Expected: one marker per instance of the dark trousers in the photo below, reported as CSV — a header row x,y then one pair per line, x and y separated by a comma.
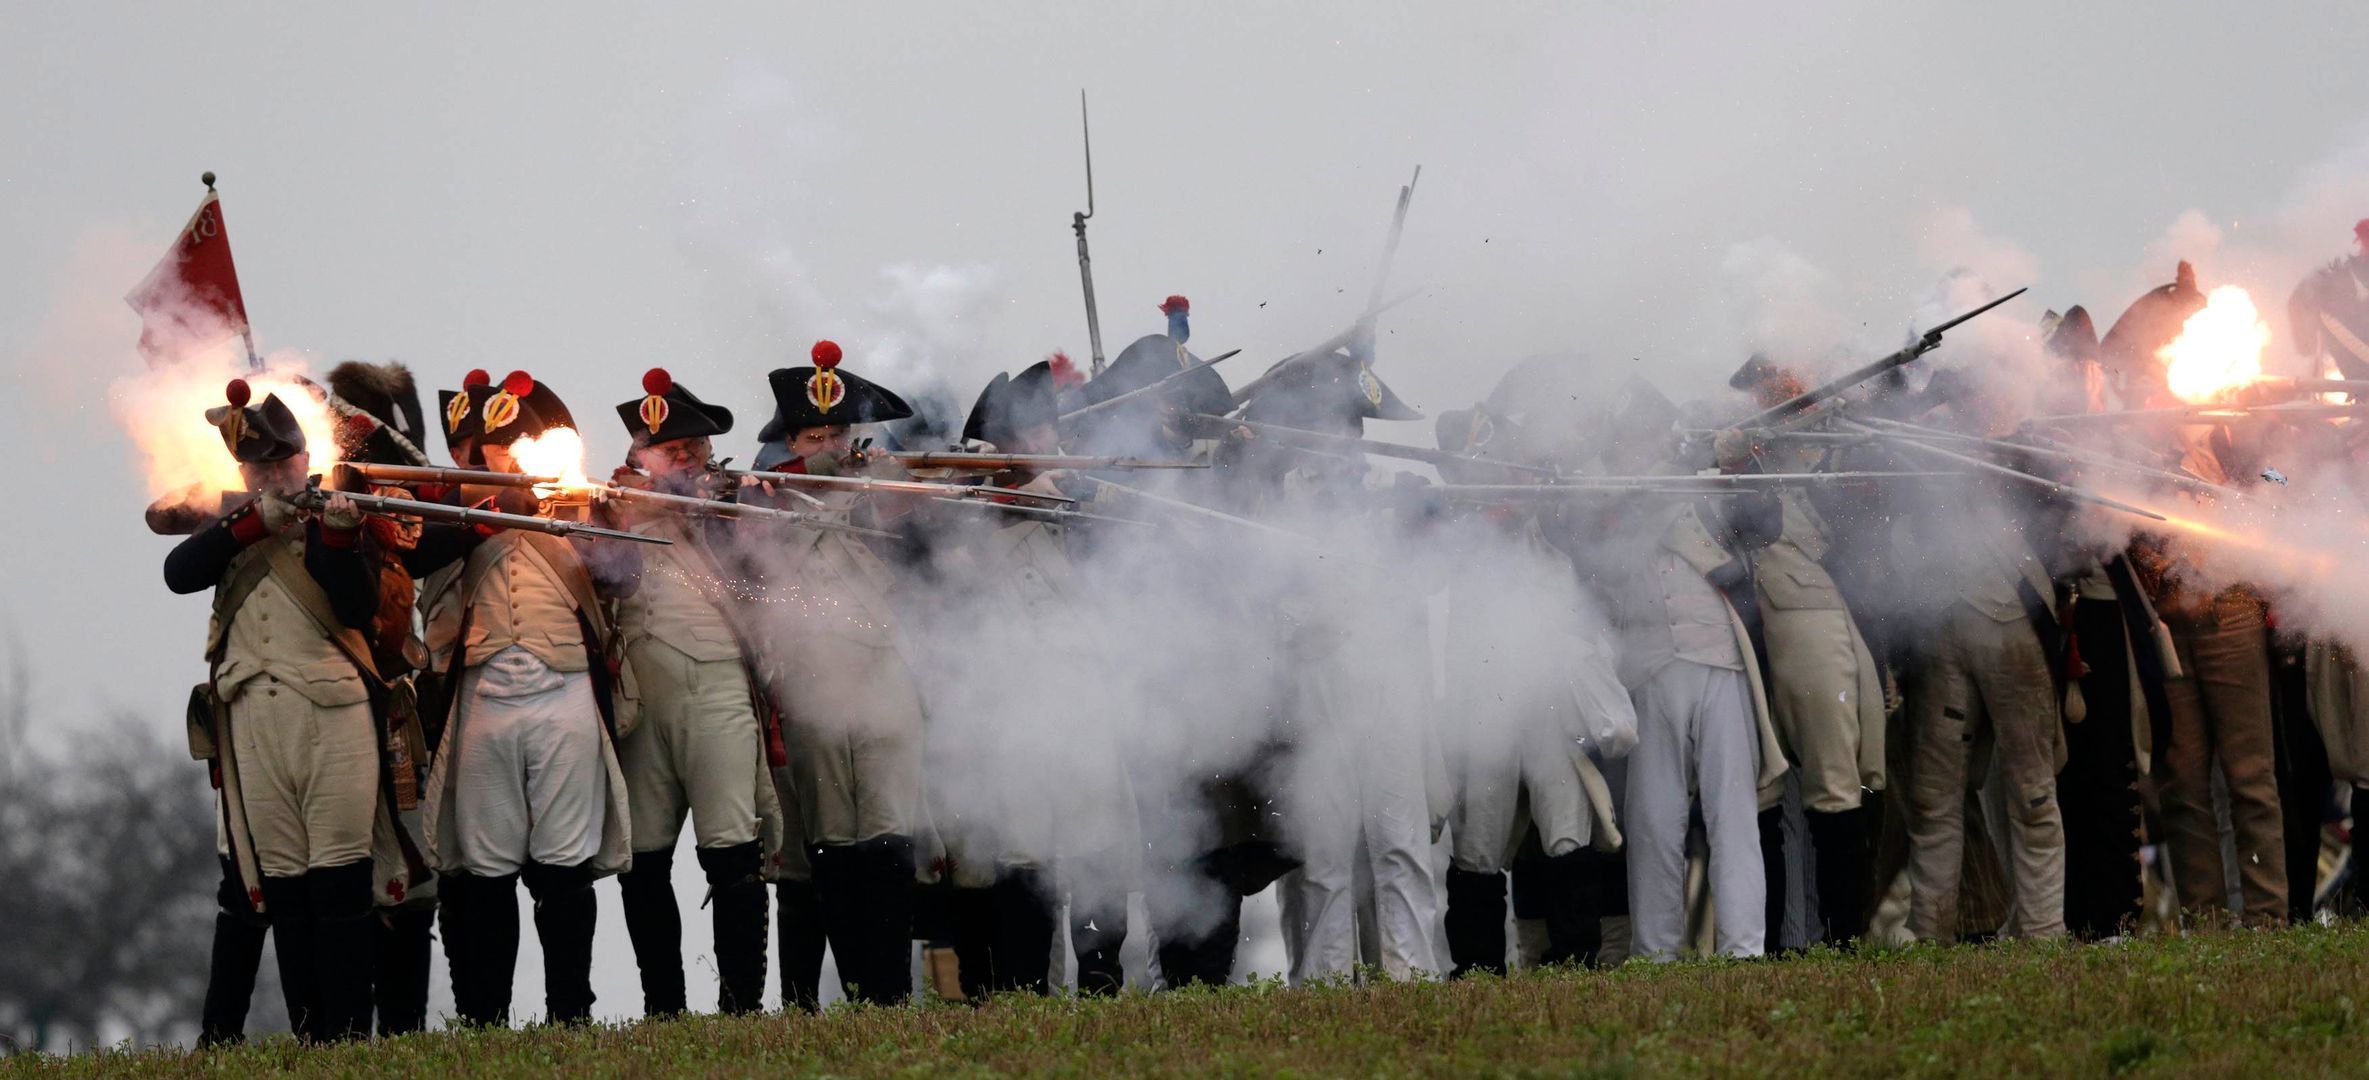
x,y
2099,783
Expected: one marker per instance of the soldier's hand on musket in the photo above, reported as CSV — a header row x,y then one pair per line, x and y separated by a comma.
x,y
1734,448
340,513
278,513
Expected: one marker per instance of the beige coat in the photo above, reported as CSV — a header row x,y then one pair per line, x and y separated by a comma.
x,y
513,583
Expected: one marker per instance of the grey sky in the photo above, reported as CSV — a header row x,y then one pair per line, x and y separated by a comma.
x,y
584,191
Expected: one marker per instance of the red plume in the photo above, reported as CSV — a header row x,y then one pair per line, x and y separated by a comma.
x,y
518,383
1174,304
476,377
826,354
239,393
656,382
1065,373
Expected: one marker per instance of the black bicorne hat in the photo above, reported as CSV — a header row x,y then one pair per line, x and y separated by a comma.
x,y
1331,393
823,395
378,413
668,410
1755,371
482,410
1012,404
256,433
2074,337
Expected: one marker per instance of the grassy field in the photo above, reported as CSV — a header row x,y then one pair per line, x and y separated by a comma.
x,y
2221,1004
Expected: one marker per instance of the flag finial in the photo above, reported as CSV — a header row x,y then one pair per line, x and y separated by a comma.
x,y
208,179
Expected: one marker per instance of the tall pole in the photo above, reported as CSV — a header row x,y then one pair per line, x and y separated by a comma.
x,y
1077,222
246,333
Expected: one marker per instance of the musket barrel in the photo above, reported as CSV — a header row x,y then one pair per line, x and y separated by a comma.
x,y
431,474
1925,343
935,459
2020,476
719,508
903,487
385,506
1349,443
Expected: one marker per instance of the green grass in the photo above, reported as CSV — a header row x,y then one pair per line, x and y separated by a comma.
x,y
2235,1003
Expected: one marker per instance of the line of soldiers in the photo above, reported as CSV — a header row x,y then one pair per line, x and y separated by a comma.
x,y
1664,720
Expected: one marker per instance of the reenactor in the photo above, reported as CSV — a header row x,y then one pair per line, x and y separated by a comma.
x,y
1368,788
1211,809
706,733
2328,314
1704,732
1077,837
1825,691
1981,675
379,421
525,785
853,715
1532,700
286,717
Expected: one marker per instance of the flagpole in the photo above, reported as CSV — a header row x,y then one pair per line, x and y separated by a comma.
x,y
246,332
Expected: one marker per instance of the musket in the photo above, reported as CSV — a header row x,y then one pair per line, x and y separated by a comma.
x,y
2018,475
1042,513
315,499
933,459
1682,483
693,504
1077,222
1290,363
930,488
431,474
2206,414
1151,387
2042,447
1925,343
1343,444
1199,510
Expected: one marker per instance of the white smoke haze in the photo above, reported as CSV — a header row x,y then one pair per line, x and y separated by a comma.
x,y
1580,202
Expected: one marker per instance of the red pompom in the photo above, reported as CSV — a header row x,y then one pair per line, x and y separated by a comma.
x,y
826,354
2361,230
1175,304
656,382
476,377
239,393
518,383
1065,372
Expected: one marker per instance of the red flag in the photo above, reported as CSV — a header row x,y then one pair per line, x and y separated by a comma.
x,y
191,301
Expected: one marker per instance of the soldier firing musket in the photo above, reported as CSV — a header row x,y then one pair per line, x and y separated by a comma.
x,y
1790,411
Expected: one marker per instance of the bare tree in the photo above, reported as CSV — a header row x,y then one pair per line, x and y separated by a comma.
x,y
107,852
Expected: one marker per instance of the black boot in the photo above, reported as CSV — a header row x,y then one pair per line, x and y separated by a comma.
x,y
402,991
655,927
239,931
970,918
838,882
1772,864
1475,922
799,912
1575,915
1193,949
1096,931
1840,840
886,925
480,944
736,893
1023,949
345,947
289,903
565,914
